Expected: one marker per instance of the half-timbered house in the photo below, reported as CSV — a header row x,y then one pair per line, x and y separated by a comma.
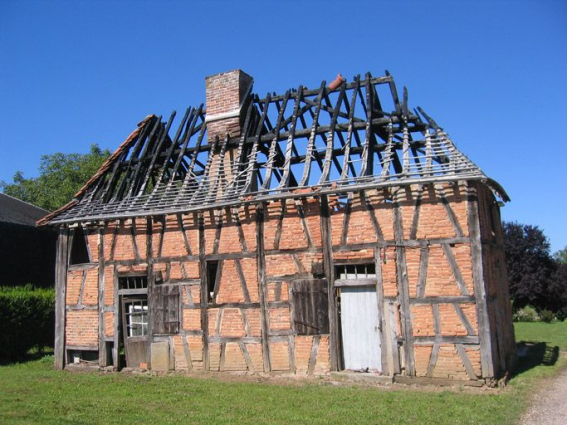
x,y
317,230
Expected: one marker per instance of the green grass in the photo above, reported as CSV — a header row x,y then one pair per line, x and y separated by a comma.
x,y
33,392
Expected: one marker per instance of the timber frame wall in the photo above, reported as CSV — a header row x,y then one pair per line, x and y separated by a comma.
x,y
442,310
441,284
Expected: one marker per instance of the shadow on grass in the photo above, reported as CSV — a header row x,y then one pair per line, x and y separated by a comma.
x,y
533,354
30,356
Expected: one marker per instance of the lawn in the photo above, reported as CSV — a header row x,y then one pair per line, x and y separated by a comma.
x,y
33,392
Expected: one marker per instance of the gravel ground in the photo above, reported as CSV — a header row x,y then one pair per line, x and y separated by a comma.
x,y
549,406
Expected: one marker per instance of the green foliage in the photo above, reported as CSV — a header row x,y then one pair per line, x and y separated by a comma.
x,y
536,279
526,314
547,316
60,177
561,256
27,320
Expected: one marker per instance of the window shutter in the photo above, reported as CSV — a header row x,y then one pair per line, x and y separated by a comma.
x,y
311,306
165,309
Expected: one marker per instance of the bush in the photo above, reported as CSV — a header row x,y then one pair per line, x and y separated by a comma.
x,y
547,316
27,320
526,314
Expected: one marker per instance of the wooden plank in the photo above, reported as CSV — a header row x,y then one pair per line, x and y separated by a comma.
x,y
241,237
381,311
346,158
433,360
187,352
370,209
455,268
436,319
274,143
416,211
313,356
134,243
404,298
394,338
244,339
312,135
406,380
346,220
486,355
102,352
203,274
425,340
183,232
450,213
443,300
82,289
422,279
354,282
218,217
466,361
304,225
331,136
247,327
260,211
222,356
464,320
329,270
289,145
247,358
291,352
242,281
60,292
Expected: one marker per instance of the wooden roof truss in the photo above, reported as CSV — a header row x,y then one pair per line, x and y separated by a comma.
x,y
360,135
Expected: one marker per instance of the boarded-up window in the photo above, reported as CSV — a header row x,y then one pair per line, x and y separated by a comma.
x,y
165,309
311,306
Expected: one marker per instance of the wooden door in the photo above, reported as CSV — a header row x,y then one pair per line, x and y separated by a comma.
x,y
135,317
360,329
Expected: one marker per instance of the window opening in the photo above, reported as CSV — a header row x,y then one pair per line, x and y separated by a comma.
x,y
136,318
212,272
79,250
356,271
133,282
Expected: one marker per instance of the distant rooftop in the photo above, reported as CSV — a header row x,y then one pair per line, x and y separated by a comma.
x,y
14,211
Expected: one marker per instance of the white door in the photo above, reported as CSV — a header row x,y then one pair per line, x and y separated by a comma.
x,y
360,328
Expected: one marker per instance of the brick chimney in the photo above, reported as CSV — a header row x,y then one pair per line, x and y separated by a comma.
x,y
225,95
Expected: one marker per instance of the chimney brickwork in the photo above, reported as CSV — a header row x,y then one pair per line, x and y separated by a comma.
x,y
225,93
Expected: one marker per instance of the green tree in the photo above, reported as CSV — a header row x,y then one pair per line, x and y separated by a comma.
x,y
561,256
60,177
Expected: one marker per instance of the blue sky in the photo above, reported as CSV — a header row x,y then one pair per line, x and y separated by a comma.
x,y
492,73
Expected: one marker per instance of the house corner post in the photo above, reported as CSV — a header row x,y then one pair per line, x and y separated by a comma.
x,y
60,292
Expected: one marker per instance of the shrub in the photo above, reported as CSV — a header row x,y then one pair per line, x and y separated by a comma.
x,y
27,320
547,316
526,314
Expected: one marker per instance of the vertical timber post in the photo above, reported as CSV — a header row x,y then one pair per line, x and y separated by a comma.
x,y
204,291
329,271
260,211
484,333
60,291
403,284
102,360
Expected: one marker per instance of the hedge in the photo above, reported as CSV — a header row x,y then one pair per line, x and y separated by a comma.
x,y
27,320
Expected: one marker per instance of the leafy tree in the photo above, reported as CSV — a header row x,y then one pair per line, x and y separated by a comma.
x,y
60,177
531,269
561,256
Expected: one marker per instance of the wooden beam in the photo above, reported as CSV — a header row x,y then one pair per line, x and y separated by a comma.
x,y
404,297
102,352
263,297
484,331
204,292
60,296
329,271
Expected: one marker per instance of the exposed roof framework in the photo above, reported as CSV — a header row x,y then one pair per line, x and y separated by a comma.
x,y
360,135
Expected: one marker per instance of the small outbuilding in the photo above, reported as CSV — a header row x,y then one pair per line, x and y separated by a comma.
x,y
27,253
318,230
